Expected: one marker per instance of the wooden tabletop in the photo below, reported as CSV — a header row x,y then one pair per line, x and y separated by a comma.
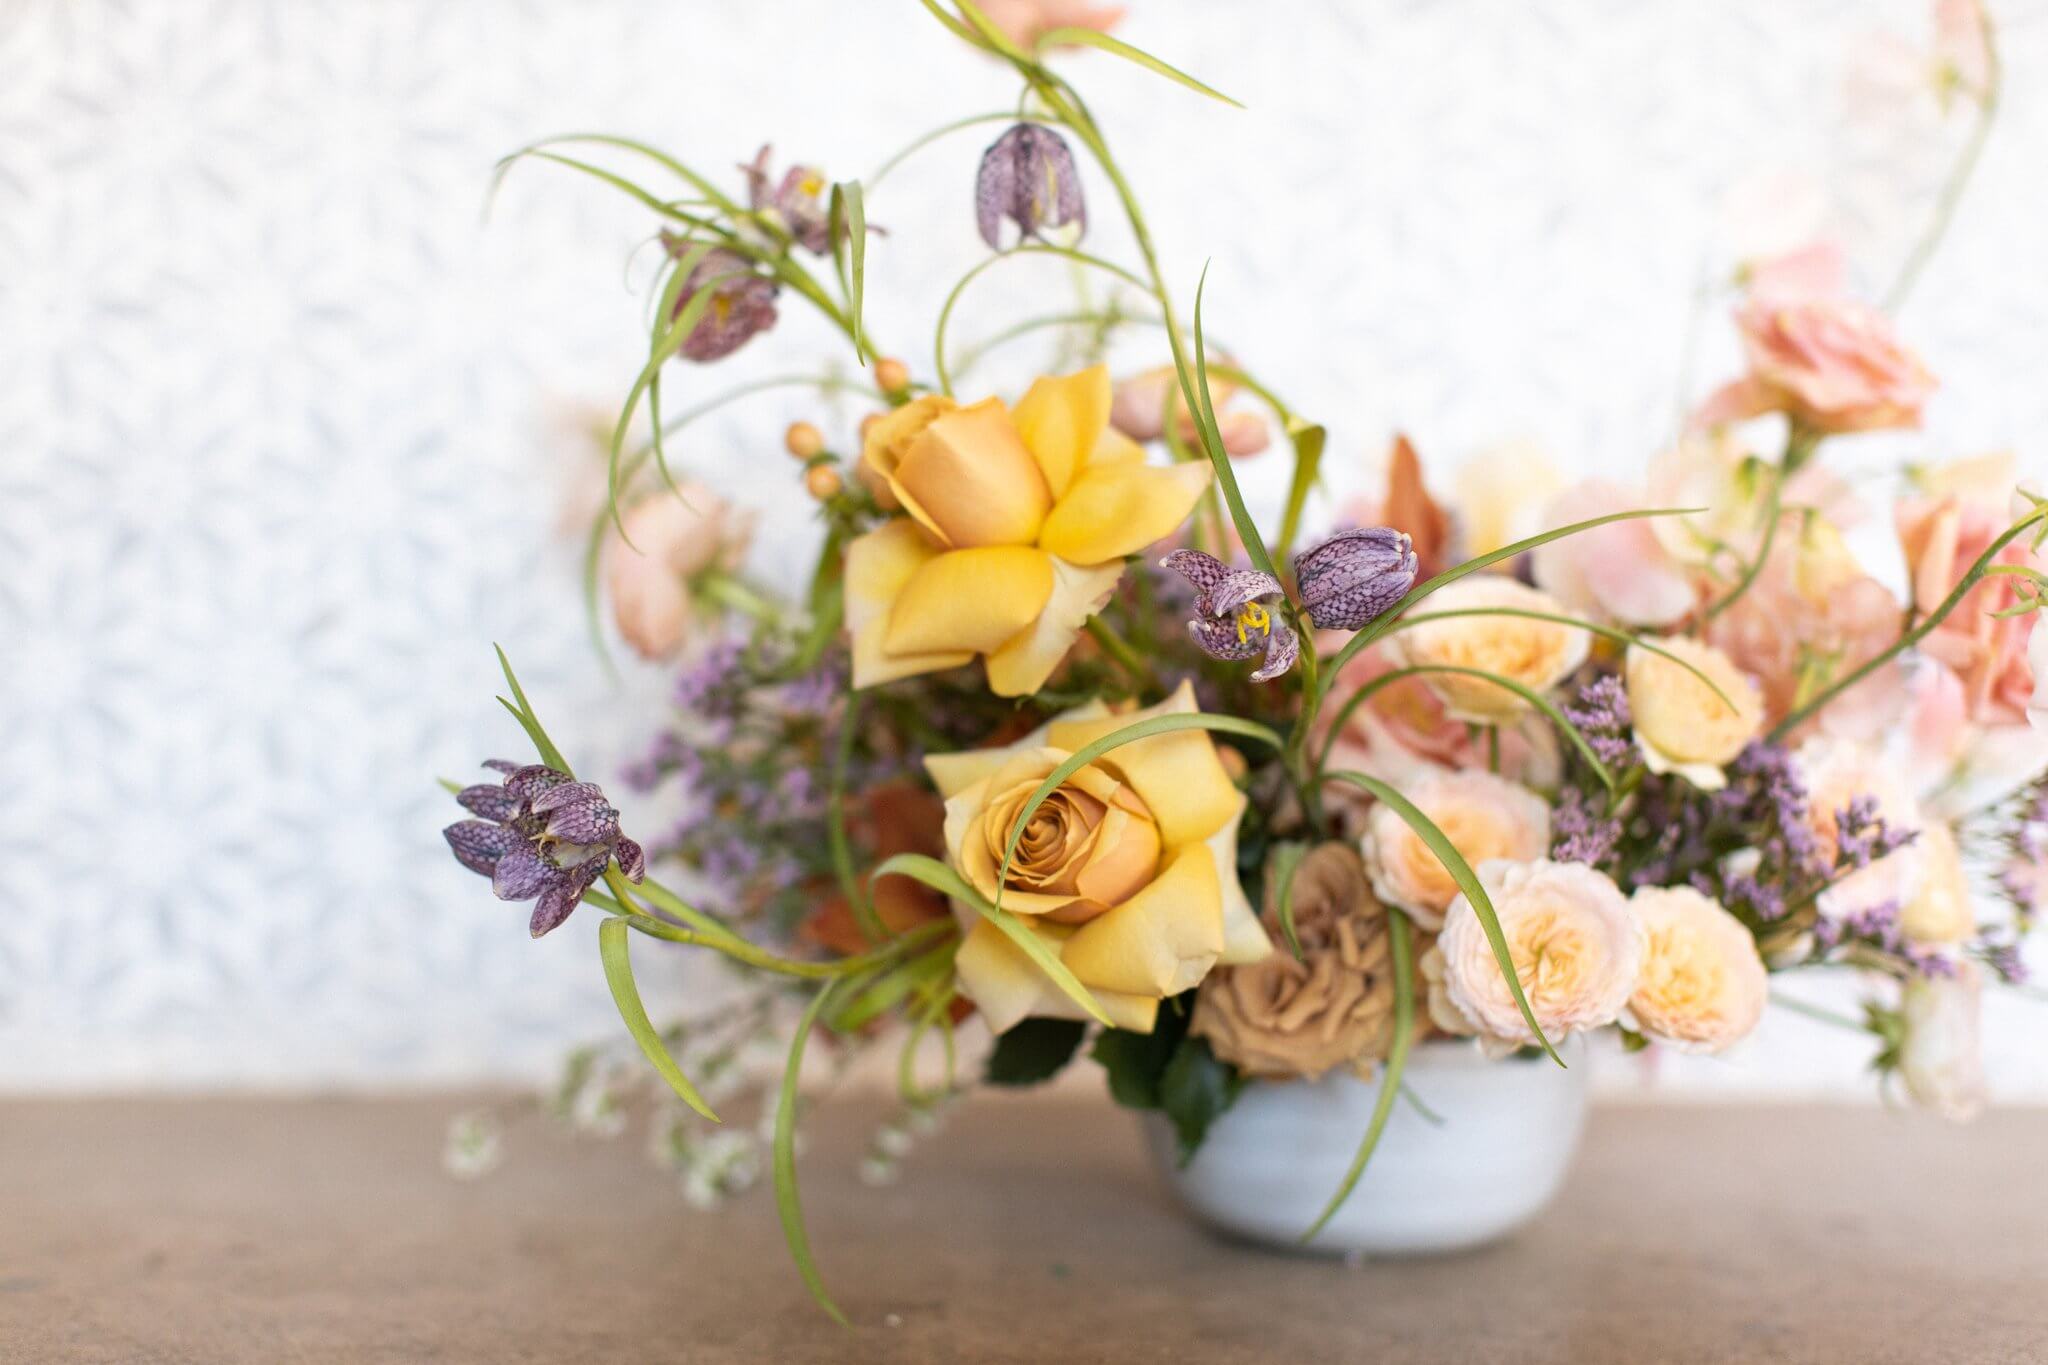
x,y
324,1230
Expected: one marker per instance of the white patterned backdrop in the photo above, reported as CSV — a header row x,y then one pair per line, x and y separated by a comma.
x,y
289,433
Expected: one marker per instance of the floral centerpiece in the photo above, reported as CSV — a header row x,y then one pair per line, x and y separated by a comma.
x,y
1062,738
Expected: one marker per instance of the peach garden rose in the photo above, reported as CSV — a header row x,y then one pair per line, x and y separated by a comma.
x,y
1128,871
1485,817
1831,364
1537,654
1702,987
1681,725
1576,946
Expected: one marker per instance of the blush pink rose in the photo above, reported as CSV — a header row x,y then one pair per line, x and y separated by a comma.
x,y
673,539
1141,403
1942,537
1024,22
1618,572
1830,363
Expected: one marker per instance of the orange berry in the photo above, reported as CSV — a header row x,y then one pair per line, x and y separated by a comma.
x,y
803,440
823,481
892,375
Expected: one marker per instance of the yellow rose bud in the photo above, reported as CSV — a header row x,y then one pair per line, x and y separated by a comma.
x,y
1681,725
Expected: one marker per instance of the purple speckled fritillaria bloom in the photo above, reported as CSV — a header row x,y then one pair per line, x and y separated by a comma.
x,y
540,833
798,201
742,302
1233,617
1028,176
1345,582
1353,577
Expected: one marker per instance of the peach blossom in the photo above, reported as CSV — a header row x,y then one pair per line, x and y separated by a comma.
x,y
1141,403
1618,572
1024,22
1942,537
672,539
1829,363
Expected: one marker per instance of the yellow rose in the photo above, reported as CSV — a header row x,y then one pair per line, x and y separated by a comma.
x,y
1484,816
1681,726
1016,524
1128,871
1537,654
1574,942
1702,987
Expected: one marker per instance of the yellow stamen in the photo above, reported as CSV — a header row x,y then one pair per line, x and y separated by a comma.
x,y
1251,616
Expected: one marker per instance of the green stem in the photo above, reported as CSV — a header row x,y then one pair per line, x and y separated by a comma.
x,y
748,954
1959,178
1118,648
1918,633
871,926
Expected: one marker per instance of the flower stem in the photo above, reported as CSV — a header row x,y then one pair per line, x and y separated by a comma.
x,y
1800,443
1118,648
1959,178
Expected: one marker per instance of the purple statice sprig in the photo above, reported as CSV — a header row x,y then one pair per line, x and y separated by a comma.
x,y
1600,714
541,835
1344,583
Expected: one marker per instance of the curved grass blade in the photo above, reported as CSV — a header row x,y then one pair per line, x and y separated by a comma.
x,y
1308,440
618,974
697,182
939,877
1461,873
1544,705
1286,862
936,1005
787,1205
1088,37
528,721
958,29
1591,628
1390,1079
1137,730
1472,566
668,341
1028,249
857,247
841,847
1201,407
893,986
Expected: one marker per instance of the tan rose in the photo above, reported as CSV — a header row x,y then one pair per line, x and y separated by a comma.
x,y
1702,987
1537,654
1681,725
1334,1007
1484,817
1127,871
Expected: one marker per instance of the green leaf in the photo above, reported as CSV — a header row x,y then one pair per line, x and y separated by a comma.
x,y
892,986
1308,440
1135,1063
1202,408
939,877
840,846
1033,1051
1390,1079
787,1205
618,974
1461,873
1537,701
1089,37
1137,730
701,184
528,721
1195,1090
1286,861
1471,566
857,242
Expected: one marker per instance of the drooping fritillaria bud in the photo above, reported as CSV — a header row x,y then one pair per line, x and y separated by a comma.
x,y
1028,176
1354,576
541,833
742,302
798,201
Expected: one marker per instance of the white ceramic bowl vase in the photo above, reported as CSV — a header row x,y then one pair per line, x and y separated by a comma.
x,y
1507,1135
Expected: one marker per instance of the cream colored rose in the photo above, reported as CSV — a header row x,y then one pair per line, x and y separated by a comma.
x,y
1575,944
1127,871
1485,817
1537,654
1681,725
1702,985
1836,772
1939,912
1942,1058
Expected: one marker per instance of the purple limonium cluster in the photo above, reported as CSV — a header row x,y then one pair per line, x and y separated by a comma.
x,y
1028,176
742,301
1580,830
1879,926
540,833
1344,583
797,201
1601,714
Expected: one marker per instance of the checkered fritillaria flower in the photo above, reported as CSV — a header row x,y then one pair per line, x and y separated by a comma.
x,y
1028,176
1345,583
798,201
540,833
742,302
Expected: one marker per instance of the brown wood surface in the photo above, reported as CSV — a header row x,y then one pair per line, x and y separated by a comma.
x,y
234,1230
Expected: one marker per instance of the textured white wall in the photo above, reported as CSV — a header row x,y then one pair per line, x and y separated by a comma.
x,y
285,426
